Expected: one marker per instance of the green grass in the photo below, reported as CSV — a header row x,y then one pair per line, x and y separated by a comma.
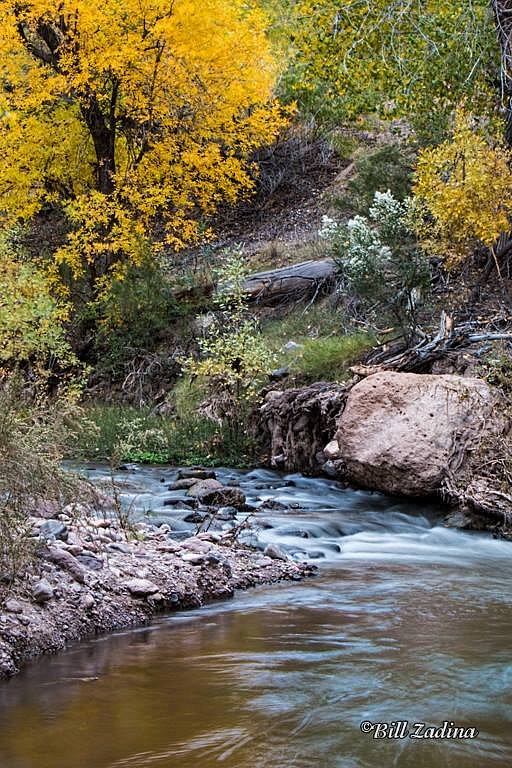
x,y
329,359
328,345
122,433
301,324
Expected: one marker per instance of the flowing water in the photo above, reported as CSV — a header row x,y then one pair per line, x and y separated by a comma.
x,y
405,621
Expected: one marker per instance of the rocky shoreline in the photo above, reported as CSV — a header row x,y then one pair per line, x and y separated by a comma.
x,y
416,435
90,575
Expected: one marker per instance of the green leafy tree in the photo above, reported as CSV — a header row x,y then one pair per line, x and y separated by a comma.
x,y
394,58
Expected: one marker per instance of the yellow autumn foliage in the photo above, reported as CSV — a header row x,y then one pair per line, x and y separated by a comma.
x,y
463,192
136,116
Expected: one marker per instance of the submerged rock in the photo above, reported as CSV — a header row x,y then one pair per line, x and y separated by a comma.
x,y
275,552
211,492
182,485
195,473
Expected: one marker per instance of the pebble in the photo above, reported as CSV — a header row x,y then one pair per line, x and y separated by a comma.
x,y
13,606
119,546
67,562
194,544
168,547
88,601
141,587
209,536
42,592
91,562
54,529
193,558
263,562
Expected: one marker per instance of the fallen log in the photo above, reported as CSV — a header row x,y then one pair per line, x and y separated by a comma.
x,y
306,280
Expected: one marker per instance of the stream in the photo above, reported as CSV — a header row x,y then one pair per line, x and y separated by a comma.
x,y
406,620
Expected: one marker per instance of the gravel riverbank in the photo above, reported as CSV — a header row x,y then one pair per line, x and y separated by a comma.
x,y
91,577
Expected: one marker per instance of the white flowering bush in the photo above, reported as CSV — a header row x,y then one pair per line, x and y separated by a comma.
x,y
377,256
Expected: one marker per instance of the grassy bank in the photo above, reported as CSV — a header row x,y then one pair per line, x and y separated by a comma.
x,y
122,433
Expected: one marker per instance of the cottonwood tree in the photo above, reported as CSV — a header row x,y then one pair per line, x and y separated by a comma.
x,y
136,117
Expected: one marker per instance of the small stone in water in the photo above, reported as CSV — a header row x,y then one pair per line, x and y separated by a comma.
x,y
196,474
195,517
275,552
182,485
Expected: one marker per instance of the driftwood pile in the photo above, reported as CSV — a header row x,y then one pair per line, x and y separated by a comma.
x,y
420,357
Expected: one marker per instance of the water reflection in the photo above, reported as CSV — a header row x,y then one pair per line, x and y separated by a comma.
x,y
407,620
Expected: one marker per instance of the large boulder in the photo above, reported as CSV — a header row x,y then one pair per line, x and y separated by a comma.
x,y
404,433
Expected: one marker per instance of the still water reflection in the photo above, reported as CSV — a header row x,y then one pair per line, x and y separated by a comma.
x,y
406,621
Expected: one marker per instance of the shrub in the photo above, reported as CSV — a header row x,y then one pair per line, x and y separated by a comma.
x,y
131,315
234,356
386,168
32,320
34,435
379,259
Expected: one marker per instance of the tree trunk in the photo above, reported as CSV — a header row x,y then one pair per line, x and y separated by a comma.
x,y
104,139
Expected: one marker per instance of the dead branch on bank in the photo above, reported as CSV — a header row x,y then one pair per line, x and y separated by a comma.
x,y
420,358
